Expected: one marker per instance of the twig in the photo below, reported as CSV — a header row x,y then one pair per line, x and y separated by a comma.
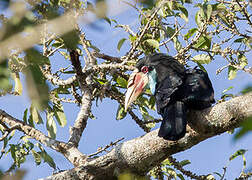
x,y
184,50
106,147
142,33
126,29
139,121
6,133
221,69
224,172
245,13
106,57
81,120
175,34
55,79
189,174
244,176
54,50
152,121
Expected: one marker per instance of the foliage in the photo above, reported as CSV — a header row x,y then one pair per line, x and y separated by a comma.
x,y
164,26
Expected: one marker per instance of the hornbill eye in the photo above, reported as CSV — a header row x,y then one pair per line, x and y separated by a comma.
x,y
145,69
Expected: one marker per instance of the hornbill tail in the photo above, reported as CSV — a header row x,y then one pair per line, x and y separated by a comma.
x,y
173,126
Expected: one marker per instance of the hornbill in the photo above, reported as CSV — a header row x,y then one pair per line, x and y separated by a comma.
x,y
176,90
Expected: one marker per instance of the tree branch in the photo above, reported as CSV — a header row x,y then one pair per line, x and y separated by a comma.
x,y
143,153
71,153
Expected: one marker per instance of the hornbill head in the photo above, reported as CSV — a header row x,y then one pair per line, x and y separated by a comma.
x,y
151,70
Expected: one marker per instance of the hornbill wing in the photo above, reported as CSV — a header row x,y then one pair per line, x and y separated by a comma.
x,y
197,91
173,111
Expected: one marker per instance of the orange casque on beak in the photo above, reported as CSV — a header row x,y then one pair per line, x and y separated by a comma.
x,y
136,84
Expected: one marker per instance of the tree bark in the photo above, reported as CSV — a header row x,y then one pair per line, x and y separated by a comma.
x,y
143,153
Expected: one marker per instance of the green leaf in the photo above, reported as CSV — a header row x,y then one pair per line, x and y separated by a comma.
x,y
181,176
204,42
246,126
177,43
201,67
120,112
36,156
30,121
231,72
59,114
18,85
5,84
35,115
120,43
190,33
37,87
240,152
239,40
71,39
224,91
51,125
184,162
184,14
33,56
202,59
48,159
61,90
246,90
209,11
199,18
152,102
152,42
132,38
25,116
166,162
243,61
107,20
121,82
170,31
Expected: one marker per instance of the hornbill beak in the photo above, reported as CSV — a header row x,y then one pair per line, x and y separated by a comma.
x,y
136,84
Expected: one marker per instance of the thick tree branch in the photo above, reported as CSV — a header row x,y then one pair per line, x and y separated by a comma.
x,y
143,153
86,101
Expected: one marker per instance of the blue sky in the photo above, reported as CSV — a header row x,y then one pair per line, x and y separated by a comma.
x,y
206,157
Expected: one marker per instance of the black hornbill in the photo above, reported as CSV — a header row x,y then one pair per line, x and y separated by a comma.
x,y
175,88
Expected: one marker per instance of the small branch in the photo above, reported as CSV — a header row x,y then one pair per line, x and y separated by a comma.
x,y
54,50
6,133
245,176
184,50
189,174
171,38
224,173
244,12
139,39
152,121
107,57
139,121
55,79
247,70
81,120
71,153
106,147
221,69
